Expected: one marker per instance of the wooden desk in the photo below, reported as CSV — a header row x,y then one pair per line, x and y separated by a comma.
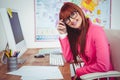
x,y
29,55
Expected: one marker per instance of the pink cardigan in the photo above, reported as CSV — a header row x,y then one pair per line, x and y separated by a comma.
x,y
97,49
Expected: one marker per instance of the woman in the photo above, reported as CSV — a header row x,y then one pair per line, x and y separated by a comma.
x,y
79,37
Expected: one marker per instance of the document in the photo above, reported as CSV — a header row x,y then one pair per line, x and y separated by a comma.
x,y
38,72
73,68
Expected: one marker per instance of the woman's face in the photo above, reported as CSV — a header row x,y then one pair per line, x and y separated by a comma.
x,y
74,20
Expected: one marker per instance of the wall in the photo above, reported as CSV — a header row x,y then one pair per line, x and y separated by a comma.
x,y
115,14
26,8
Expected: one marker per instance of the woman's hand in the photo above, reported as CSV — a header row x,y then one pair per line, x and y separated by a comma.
x,y
61,27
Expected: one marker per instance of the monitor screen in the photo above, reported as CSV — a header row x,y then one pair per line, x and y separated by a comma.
x,y
16,27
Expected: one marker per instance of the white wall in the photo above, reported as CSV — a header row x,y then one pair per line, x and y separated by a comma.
x,y
115,15
26,8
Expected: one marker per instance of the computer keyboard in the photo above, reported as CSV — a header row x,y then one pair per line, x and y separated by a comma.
x,y
56,59
50,50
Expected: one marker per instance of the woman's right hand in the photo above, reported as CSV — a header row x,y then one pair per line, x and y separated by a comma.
x,y
61,27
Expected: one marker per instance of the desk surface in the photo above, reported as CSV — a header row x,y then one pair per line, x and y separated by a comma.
x,y
29,55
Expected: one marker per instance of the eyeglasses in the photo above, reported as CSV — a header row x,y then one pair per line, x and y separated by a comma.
x,y
73,15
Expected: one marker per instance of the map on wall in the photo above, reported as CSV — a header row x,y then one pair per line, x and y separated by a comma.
x,y
47,12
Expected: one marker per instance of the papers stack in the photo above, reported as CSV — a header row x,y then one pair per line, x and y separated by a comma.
x,y
38,72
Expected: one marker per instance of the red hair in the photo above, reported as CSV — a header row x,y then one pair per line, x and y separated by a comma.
x,y
77,37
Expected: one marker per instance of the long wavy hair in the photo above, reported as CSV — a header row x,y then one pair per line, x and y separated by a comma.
x,y
77,37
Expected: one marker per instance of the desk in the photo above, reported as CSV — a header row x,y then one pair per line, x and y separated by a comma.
x,y
29,55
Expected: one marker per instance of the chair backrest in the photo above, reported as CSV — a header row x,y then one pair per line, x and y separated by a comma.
x,y
114,40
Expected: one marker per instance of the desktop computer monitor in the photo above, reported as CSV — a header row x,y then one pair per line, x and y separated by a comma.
x,y
13,30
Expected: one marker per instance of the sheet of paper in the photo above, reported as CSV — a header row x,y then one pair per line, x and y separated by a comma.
x,y
72,70
29,78
38,72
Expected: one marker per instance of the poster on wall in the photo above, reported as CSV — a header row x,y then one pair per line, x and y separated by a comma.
x,y
47,13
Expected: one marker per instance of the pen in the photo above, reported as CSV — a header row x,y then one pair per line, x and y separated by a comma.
x,y
7,54
10,53
14,54
17,53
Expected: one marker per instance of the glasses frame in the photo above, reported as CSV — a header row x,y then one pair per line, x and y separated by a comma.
x,y
73,15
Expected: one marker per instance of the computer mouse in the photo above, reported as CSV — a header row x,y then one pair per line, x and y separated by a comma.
x,y
39,56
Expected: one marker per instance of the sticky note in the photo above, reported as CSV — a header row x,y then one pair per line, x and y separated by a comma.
x,y
9,12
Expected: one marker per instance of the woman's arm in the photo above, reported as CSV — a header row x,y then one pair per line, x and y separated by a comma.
x,y
66,49
61,27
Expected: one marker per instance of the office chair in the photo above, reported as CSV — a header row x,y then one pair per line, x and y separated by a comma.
x,y
114,40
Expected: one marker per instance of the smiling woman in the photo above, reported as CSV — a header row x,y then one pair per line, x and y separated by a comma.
x,y
80,40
